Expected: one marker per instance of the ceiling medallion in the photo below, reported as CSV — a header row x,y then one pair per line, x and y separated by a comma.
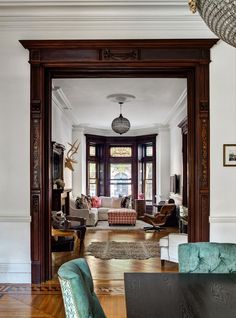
x,y
120,124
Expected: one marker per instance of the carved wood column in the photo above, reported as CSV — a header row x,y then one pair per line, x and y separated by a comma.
x,y
202,154
37,231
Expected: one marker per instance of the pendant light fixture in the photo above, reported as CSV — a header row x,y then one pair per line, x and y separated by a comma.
x,y
120,124
220,17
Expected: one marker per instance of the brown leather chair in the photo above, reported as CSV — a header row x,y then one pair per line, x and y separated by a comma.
x,y
159,219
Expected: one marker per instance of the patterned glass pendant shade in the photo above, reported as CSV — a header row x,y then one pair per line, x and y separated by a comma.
x,y
120,124
220,17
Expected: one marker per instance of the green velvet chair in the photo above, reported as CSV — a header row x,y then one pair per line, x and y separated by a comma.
x,y
79,298
207,258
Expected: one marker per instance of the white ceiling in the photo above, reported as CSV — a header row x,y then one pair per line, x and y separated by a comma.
x,y
156,100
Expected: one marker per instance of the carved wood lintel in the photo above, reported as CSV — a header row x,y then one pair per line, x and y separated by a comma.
x,y
120,55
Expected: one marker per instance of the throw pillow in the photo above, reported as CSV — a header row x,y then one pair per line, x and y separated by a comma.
x,y
79,204
87,201
116,203
96,202
107,202
83,202
126,201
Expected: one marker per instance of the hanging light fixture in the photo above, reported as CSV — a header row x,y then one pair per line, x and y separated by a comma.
x,y
220,17
120,124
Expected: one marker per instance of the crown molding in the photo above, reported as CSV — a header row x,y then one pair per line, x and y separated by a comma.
x,y
178,107
90,2
153,18
86,129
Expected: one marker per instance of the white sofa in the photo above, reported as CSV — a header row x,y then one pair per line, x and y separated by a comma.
x,y
91,215
94,215
169,246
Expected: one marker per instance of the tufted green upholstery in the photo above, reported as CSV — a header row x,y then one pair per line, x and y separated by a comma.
x,y
207,258
78,293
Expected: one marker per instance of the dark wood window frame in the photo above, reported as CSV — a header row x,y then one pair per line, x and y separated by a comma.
x,y
183,125
188,58
104,144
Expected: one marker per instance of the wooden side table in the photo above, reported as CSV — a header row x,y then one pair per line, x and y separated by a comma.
x,y
140,207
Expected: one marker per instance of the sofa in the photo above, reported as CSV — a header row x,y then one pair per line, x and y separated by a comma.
x,y
100,213
91,215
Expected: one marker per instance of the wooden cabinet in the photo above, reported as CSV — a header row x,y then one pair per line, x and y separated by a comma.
x,y
140,207
61,200
57,161
60,196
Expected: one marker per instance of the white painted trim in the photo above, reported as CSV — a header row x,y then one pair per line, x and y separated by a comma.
x,y
153,18
222,219
90,2
15,219
60,99
15,272
138,131
179,106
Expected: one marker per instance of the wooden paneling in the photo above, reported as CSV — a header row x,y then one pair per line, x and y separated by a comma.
x,y
119,58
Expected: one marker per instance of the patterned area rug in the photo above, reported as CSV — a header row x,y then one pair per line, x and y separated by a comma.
x,y
124,250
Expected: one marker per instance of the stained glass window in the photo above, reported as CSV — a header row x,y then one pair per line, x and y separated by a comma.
x,y
92,151
149,151
121,151
92,178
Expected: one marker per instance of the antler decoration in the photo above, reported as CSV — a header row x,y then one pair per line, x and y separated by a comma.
x,y
192,5
69,156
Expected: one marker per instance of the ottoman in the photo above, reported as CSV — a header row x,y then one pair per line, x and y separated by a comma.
x,y
122,216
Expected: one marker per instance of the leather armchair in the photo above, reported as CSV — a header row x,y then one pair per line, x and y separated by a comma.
x,y
207,258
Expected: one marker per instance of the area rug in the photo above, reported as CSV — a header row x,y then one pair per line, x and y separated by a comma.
x,y
103,225
124,250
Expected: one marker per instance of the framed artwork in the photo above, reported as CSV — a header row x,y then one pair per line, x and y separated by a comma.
x,y
229,155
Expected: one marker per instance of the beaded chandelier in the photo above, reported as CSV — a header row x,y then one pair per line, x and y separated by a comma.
x,y
120,124
220,17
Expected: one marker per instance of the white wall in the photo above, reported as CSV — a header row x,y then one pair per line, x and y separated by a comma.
x,y
223,131
15,111
163,164
79,174
176,155
62,134
14,162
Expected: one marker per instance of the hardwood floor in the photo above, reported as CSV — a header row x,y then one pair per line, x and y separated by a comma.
x,y
44,301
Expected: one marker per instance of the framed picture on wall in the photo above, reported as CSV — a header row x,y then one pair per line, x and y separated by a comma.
x,y
229,155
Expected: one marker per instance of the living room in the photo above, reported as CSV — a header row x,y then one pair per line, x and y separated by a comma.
x,y
141,162
170,20
166,102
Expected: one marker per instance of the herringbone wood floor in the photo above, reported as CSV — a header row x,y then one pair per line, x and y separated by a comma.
x,y
44,301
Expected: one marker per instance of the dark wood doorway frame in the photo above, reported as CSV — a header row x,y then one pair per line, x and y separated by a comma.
x,y
115,58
